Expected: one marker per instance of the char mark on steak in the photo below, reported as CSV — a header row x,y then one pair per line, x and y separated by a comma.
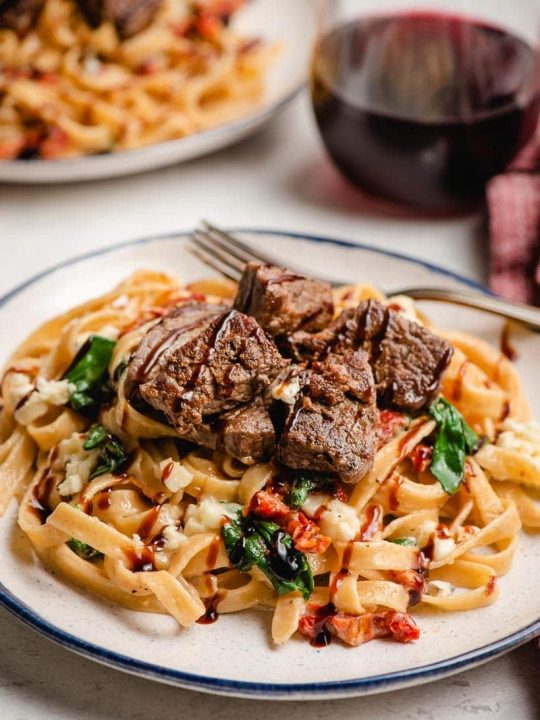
x,y
180,325
20,15
283,302
206,368
331,427
407,358
128,16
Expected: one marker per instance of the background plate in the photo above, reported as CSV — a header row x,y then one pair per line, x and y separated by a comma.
x,y
234,656
291,24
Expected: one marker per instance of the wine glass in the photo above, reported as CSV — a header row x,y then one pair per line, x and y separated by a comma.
x,y
421,104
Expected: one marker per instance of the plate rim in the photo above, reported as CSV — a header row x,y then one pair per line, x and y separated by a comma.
x,y
242,688
257,116
297,235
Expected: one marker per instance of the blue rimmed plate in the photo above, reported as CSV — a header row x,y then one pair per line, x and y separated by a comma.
x,y
234,656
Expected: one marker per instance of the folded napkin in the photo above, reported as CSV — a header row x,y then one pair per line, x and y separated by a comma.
x,y
514,221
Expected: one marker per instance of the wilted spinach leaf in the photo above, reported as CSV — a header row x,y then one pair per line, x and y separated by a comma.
x,y
301,487
407,541
303,484
86,552
454,440
95,437
250,541
88,375
111,453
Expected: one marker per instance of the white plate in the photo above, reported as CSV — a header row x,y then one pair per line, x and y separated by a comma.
x,y
289,23
234,656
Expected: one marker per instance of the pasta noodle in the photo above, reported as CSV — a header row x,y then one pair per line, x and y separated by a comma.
x,y
68,90
150,537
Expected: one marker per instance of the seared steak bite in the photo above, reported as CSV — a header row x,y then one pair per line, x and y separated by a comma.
x,y
283,302
331,427
128,16
407,358
302,346
217,377
201,366
179,326
19,15
247,433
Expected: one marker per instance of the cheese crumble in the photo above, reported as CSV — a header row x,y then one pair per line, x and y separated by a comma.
x,y
339,521
46,394
208,515
522,438
77,462
287,391
175,476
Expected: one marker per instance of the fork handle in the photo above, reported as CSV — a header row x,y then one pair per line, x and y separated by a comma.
x,y
525,314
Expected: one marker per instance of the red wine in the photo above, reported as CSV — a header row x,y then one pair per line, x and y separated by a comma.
x,y
423,108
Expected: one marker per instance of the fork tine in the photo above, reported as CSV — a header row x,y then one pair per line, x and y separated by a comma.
x,y
243,251
213,263
200,239
225,242
228,240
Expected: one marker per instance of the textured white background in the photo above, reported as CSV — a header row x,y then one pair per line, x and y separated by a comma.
x,y
278,179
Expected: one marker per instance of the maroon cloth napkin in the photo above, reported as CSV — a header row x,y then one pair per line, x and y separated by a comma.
x,y
514,222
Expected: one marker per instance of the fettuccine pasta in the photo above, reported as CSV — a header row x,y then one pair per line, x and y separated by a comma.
x,y
68,89
151,536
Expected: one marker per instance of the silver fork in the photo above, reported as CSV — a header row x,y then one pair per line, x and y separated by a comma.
x,y
228,255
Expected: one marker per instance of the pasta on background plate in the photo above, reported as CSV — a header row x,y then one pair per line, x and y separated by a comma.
x,y
76,82
116,499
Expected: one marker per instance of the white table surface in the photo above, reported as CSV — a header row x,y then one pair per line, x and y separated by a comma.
x,y
277,179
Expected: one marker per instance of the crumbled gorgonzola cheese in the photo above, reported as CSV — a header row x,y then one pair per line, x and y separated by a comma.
x,y
442,547
46,394
287,391
173,538
175,475
339,521
72,484
77,462
522,438
207,515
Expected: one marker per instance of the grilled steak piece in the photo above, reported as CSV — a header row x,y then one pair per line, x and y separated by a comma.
x,y
19,15
302,346
177,327
407,358
331,427
128,16
247,433
197,365
283,302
